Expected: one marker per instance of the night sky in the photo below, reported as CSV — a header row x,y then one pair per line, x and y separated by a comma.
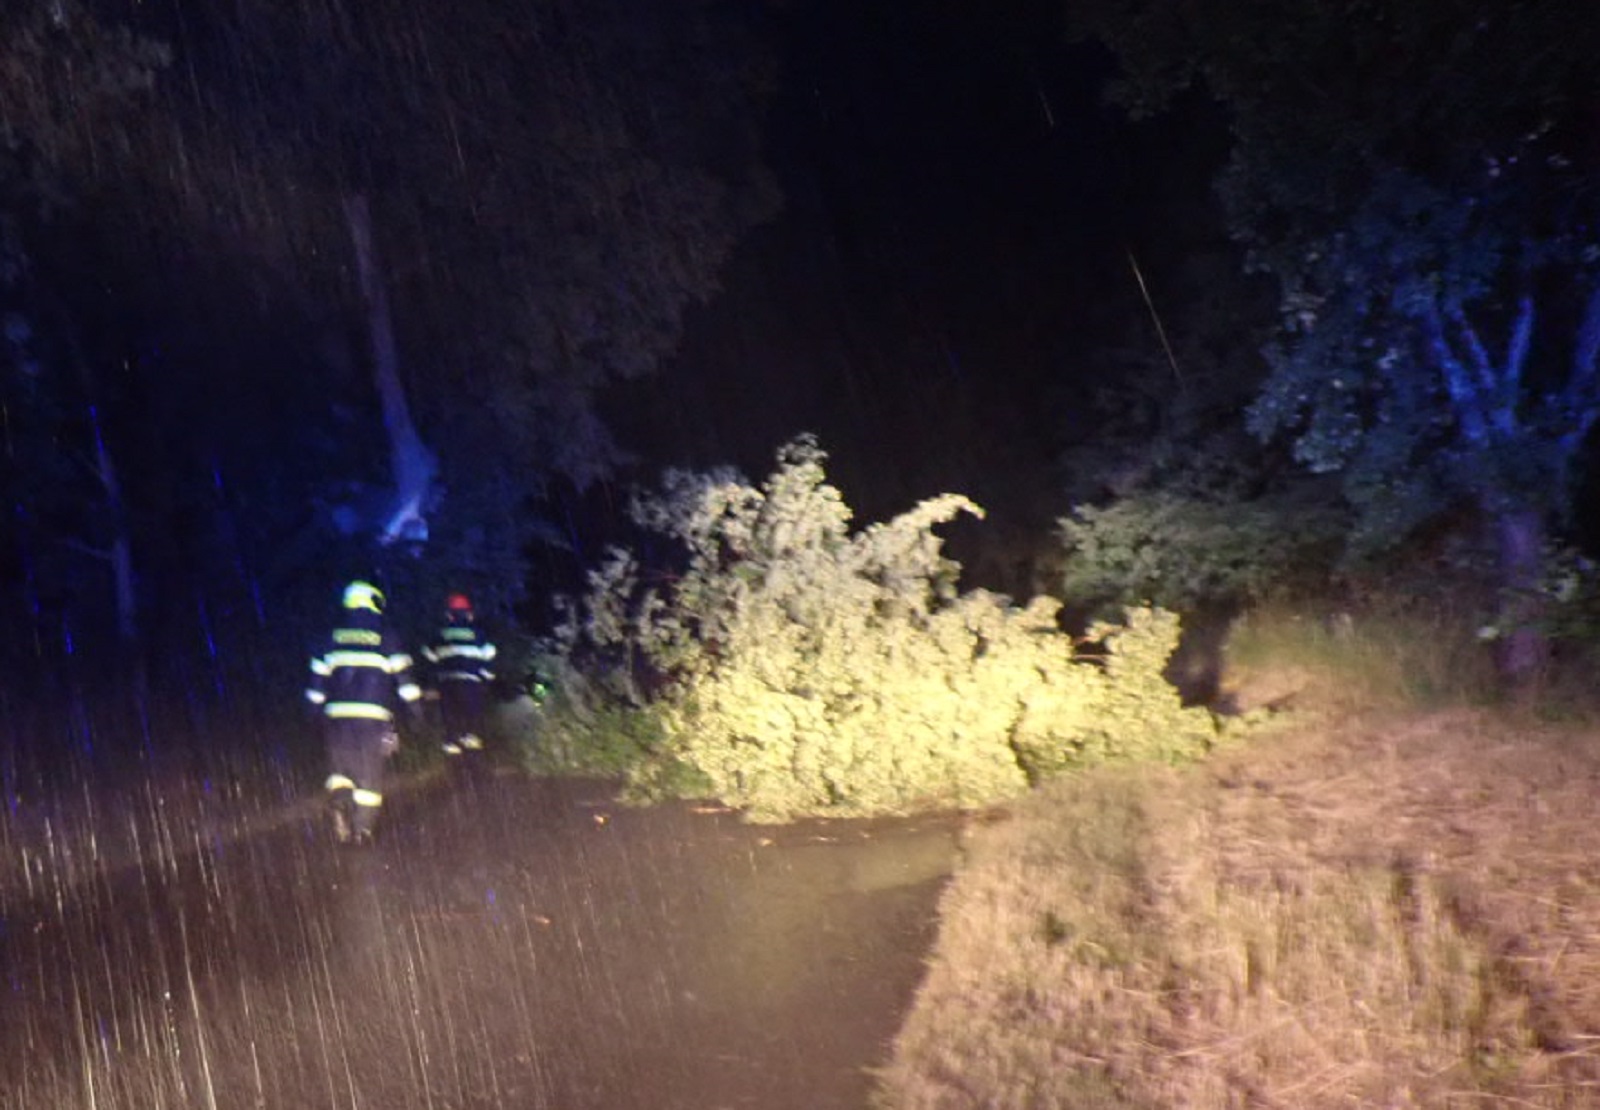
x,y
960,209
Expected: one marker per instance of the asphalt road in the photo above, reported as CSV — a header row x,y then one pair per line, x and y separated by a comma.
x,y
512,943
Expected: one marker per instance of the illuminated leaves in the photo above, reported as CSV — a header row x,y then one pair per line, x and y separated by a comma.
x,y
819,670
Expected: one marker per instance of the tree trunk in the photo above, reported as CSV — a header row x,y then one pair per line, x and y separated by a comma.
x,y
411,464
1524,647
119,553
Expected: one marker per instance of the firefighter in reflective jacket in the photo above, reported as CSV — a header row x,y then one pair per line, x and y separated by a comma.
x,y
357,682
460,656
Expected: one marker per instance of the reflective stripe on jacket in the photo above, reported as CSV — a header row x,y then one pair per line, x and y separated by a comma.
x,y
460,653
362,671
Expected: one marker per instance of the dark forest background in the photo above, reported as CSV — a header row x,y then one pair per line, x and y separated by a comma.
x,y
296,291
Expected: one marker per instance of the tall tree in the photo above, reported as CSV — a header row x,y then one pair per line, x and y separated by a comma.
x,y
1418,178
530,198
539,193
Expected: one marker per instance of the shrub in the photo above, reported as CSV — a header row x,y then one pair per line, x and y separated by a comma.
x,y
812,670
1184,550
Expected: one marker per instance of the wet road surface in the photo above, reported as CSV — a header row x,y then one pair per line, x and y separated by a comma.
x,y
509,943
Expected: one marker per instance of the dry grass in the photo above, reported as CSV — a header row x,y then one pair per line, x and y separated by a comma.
x,y
1425,656
1378,908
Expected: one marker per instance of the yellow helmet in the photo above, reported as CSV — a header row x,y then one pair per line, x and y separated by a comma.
x,y
363,595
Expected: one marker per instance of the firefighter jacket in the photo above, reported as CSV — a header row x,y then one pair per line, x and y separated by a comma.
x,y
362,672
460,653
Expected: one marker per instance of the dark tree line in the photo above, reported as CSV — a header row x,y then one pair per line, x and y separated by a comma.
x,y
1416,182
294,291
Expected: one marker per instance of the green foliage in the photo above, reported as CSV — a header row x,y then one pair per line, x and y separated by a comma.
x,y
603,741
1416,178
1566,599
1183,551
1126,712
816,670
574,726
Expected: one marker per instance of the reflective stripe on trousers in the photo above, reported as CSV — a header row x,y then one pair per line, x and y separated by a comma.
x,y
357,711
369,798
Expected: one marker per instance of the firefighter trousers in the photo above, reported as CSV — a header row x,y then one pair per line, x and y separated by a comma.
x,y
358,750
461,703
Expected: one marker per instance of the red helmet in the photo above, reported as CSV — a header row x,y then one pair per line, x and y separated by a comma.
x,y
458,603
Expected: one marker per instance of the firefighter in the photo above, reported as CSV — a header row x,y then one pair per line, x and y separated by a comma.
x,y
460,656
357,682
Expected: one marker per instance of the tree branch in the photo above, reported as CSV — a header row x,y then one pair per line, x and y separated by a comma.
x,y
1581,385
1521,339
1587,354
1463,395
104,554
1481,363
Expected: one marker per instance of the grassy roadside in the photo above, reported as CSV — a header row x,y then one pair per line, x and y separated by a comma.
x,y
1384,903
